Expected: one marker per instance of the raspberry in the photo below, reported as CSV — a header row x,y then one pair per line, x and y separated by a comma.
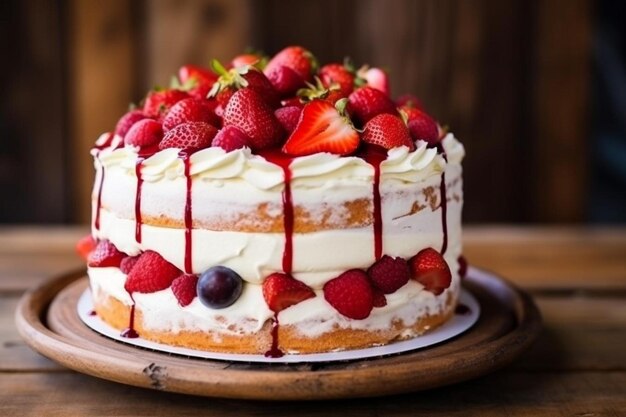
x,y
128,263
151,273
379,299
388,274
350,294
184,288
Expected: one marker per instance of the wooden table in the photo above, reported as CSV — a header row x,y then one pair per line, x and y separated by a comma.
x,y
577,367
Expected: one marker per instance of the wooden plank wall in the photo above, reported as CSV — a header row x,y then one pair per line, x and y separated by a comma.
x,y
510,78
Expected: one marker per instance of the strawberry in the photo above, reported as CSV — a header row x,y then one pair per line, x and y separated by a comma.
x,y
256,60
193,135
230,138
158,103
387,131
430,269
281,291
128,263
285,80
288,117
350,294
322,128
379,298
189,110
184,288
85,246
367,102
238,78
375,78
292,101
127,121
144,133
151,273
421,125
409,100
248,111
337,74
105,254
295,57
389,274
197,81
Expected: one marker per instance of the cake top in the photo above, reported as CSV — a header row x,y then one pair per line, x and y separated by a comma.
x,y
278,107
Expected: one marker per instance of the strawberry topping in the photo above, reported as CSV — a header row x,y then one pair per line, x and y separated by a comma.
x,y
350,294
159,102
430,269
387,131
194,135
288,117
282,291
104,254
184,288
127,121
231,138
189,110
151,273
367,102
144,133
389,274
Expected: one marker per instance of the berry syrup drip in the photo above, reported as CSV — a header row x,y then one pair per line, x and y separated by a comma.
x,y
462,310
130,331
186,156
93,313
274,351
138,222
374,157
444,203
96,222
284,162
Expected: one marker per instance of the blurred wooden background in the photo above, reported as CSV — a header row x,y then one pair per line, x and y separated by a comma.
x,y
511,79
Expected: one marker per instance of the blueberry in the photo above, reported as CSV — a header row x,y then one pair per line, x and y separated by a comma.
x,y
219,287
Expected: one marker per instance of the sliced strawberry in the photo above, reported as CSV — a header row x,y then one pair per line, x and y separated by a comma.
x,y
350,294
322,128
151,273
190,110
128,263
194,135
285,80
144,133
230,138
184,288
430,269
295,57
248,111
85,246
127,121
387,131
375,78
379,298
256,60
367,102
389,274
281,291
337,74
159,102
105,254
288,117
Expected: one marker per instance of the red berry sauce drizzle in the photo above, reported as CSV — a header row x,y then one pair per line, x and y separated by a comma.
x,y
186,157
98,149
374,156
444,203
462,310
283,161
130,331
138,221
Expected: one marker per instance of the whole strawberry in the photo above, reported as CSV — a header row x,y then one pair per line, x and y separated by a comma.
x,y
157,103
105,254
421,125
253,59
288,117
189,110
197,81
193,135
322,128
282,291
127,121
230,138
431,270
144,133
249,112
375,78
151,273
337,74
297,58
387,131
389,274
350,294
409,100
366,102
230,81
285,80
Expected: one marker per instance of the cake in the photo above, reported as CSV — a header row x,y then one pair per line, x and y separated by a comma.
x,y
272,206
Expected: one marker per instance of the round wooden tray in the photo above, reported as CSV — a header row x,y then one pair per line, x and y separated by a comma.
x,y
47,319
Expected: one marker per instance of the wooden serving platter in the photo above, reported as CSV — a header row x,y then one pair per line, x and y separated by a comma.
x,y
47,319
